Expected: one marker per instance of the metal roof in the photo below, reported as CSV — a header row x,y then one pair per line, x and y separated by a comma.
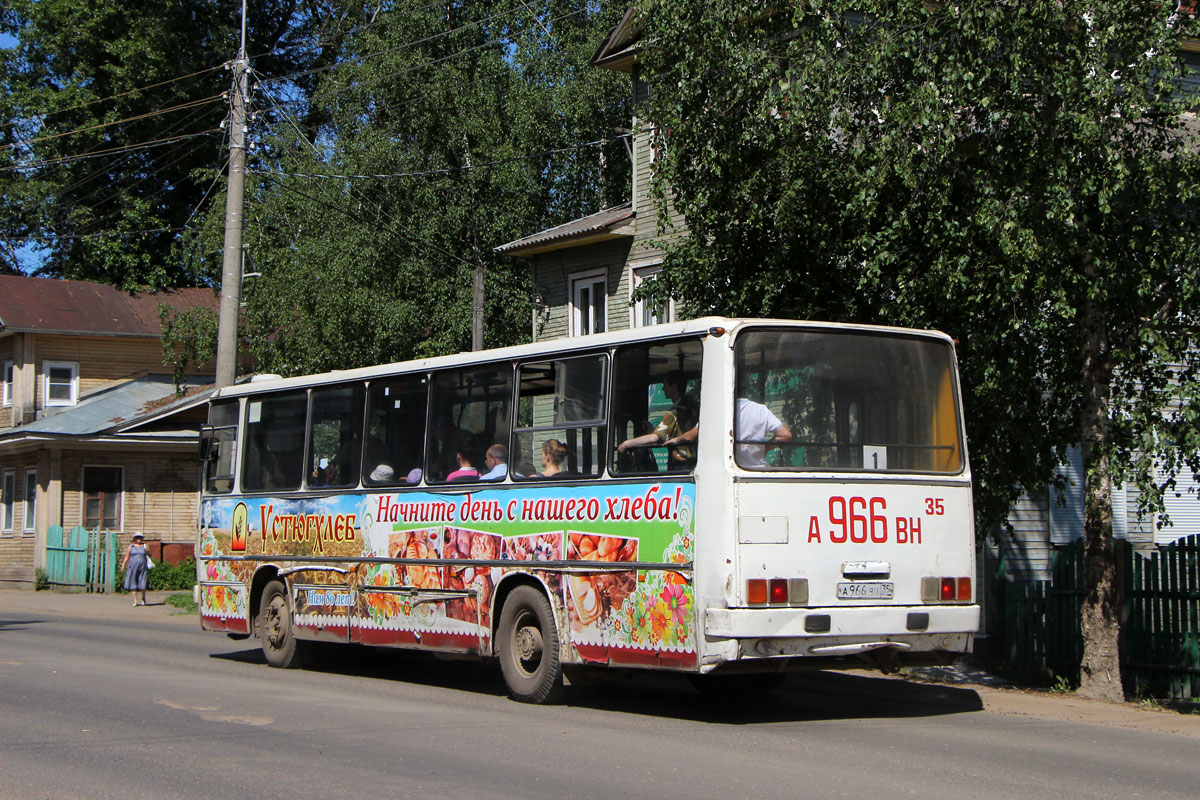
x,y
109,408
48,305
606,224
618,51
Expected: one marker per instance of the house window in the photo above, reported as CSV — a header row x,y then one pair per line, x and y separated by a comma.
x,y
8,383
30,500
647,312
9,491
62,383
102,498
589,296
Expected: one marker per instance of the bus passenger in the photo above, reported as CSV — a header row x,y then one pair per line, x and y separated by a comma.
x,y
554,454
678,426
756,423
496,461
467,456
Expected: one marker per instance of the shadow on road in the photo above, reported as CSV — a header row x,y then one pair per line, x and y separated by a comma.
x,y
802,696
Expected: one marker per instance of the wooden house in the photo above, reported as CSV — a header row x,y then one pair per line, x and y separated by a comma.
x,y
584,272
91,430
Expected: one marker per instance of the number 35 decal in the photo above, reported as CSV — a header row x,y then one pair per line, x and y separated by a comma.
x,y
934,507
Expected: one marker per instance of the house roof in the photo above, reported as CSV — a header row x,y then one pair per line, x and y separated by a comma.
x,y
117,406
611,223
48,305
619,49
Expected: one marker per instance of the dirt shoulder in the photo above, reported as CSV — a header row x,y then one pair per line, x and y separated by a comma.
x,y
1000,697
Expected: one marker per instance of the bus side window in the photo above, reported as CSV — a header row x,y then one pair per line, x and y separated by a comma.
x,y
656,394
219,447
274,458
471,411
395,445
561,410
335,436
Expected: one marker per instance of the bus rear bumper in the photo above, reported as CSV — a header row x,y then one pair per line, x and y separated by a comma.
x,y
842,631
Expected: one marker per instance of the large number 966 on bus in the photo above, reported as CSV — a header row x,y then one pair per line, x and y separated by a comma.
x,y
731,499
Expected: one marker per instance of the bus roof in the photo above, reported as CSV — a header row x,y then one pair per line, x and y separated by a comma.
x,y
598,341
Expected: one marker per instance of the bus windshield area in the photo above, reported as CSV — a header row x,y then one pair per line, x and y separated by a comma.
x,y
822,400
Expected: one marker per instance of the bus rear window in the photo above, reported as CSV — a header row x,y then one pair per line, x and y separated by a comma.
x,y
825,400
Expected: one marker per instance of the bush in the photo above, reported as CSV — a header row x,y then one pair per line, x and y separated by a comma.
x,y
166,577
174,577
41,579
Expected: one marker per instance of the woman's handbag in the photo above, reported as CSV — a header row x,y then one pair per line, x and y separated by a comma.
x,y
149,562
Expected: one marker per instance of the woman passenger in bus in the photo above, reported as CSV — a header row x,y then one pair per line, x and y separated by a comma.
x,y
554,455
467,456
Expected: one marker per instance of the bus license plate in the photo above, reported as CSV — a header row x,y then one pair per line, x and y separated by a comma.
x,y
866,591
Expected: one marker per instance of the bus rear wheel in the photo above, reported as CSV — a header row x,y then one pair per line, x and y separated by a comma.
x,y
275,630
527,641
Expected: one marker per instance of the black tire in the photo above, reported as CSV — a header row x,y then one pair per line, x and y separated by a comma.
x,y
275,631
528,646
737,688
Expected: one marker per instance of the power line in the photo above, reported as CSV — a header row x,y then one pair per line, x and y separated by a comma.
x,y
376,79
121,94
101,153
136,117
397,48
444,170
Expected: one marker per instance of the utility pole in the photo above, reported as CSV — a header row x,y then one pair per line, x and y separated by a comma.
x,y
231,266
477,307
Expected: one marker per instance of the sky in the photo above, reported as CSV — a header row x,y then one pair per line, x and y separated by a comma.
x,y
28,256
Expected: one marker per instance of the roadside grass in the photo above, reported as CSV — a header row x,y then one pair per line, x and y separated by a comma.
x,y
183,602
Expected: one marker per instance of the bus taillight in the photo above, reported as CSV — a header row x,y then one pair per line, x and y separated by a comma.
x,y
946,590
777,591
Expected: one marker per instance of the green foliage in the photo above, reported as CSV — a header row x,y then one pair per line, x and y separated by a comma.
x,y
109,114
189,339
164,576
1015,173
183,602
41,580
455,111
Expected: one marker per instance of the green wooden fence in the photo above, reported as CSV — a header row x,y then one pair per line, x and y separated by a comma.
x,y
1161,630
81,559
1162,626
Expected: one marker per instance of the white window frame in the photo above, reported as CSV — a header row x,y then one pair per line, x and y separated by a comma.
x,y
9,368
9,490
637,316
29,502
49,365
582,325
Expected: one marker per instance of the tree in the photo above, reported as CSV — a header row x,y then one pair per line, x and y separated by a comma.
x,y
441,132
1017,173
109,119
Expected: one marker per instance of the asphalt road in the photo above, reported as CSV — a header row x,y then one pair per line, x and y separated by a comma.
x,y
98,700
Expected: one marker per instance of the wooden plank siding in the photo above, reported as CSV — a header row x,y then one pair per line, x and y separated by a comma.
x,y
159,499
552,272
18,548
101,359
6,354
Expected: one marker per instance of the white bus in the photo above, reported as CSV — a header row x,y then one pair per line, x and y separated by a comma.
x,y
719,497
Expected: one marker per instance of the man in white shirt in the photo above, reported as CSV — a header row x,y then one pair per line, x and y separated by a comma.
x,y
756,423
497,463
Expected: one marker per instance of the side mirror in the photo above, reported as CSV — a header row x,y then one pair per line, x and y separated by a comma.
x,y
208,448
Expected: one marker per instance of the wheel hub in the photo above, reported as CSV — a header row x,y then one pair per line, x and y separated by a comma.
x,y
529,644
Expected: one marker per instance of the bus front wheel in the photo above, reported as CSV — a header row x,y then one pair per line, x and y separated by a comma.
x,y
278,639
527,640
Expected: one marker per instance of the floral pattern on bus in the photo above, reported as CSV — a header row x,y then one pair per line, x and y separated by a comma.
x,y
655,611
223,601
